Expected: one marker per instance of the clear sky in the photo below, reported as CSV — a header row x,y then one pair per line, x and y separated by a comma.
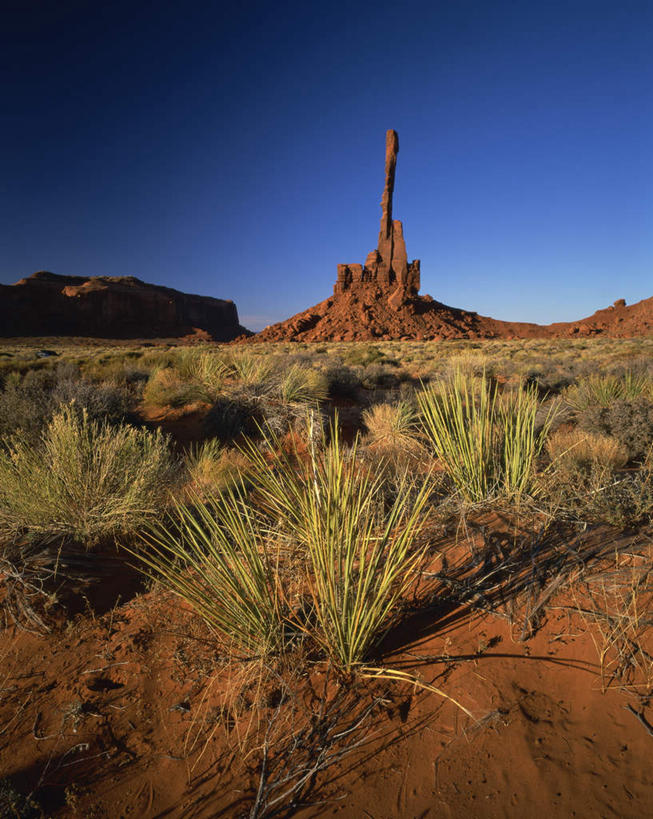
x,y
236,149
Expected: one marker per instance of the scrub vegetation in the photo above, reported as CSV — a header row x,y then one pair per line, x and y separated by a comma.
x,y
307,511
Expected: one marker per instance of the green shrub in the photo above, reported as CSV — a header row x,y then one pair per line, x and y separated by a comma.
x,y
84,479
362,355
27,403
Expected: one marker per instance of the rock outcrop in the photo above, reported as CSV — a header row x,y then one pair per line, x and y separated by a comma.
x,y
386,268
46,304
380,299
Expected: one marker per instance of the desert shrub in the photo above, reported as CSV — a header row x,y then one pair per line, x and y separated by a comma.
x,y
233,415
576,449
27,403
594,494
381,375
630,421
342,382
218,556
360,552
487,443
84,479
362,355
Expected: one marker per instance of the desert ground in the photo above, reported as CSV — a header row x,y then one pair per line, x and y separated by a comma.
x,y
379,579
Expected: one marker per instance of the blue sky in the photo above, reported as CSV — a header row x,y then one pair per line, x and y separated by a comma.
x,y
239,153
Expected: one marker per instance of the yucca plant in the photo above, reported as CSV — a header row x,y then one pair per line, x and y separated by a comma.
x,y
360,555
302,385
206,370
602,390
249,368
487,443
216,555
458,419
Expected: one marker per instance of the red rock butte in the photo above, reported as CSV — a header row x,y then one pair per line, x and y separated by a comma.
x,y
380,299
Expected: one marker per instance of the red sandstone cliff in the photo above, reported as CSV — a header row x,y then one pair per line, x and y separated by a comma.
x,y
46,304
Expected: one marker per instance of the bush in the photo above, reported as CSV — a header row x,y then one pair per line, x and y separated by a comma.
x,y
593,494
362,355
233,415
342,382
27,403
84,480
630,421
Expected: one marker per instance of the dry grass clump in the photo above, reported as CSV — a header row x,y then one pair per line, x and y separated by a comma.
x,y
166,388
593,492
488,443
84,479
391,427
210,467
575,448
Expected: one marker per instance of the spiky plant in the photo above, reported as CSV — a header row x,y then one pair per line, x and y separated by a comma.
x,y
217,556
487,443
360,555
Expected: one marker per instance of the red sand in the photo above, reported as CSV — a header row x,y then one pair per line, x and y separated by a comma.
x,y
134,713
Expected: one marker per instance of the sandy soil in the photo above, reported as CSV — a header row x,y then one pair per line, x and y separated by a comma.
x,y
138,712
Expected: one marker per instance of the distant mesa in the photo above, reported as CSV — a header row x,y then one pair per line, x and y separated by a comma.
x,y
46,304
380,299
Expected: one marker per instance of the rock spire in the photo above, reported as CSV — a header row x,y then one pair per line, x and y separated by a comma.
x,y
386,268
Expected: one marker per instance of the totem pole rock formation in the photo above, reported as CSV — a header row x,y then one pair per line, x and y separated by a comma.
x,y
386,268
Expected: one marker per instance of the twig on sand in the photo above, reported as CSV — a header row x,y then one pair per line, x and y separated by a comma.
x,y
647,726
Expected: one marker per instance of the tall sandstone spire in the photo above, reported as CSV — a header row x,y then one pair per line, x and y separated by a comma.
x,y
386,268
